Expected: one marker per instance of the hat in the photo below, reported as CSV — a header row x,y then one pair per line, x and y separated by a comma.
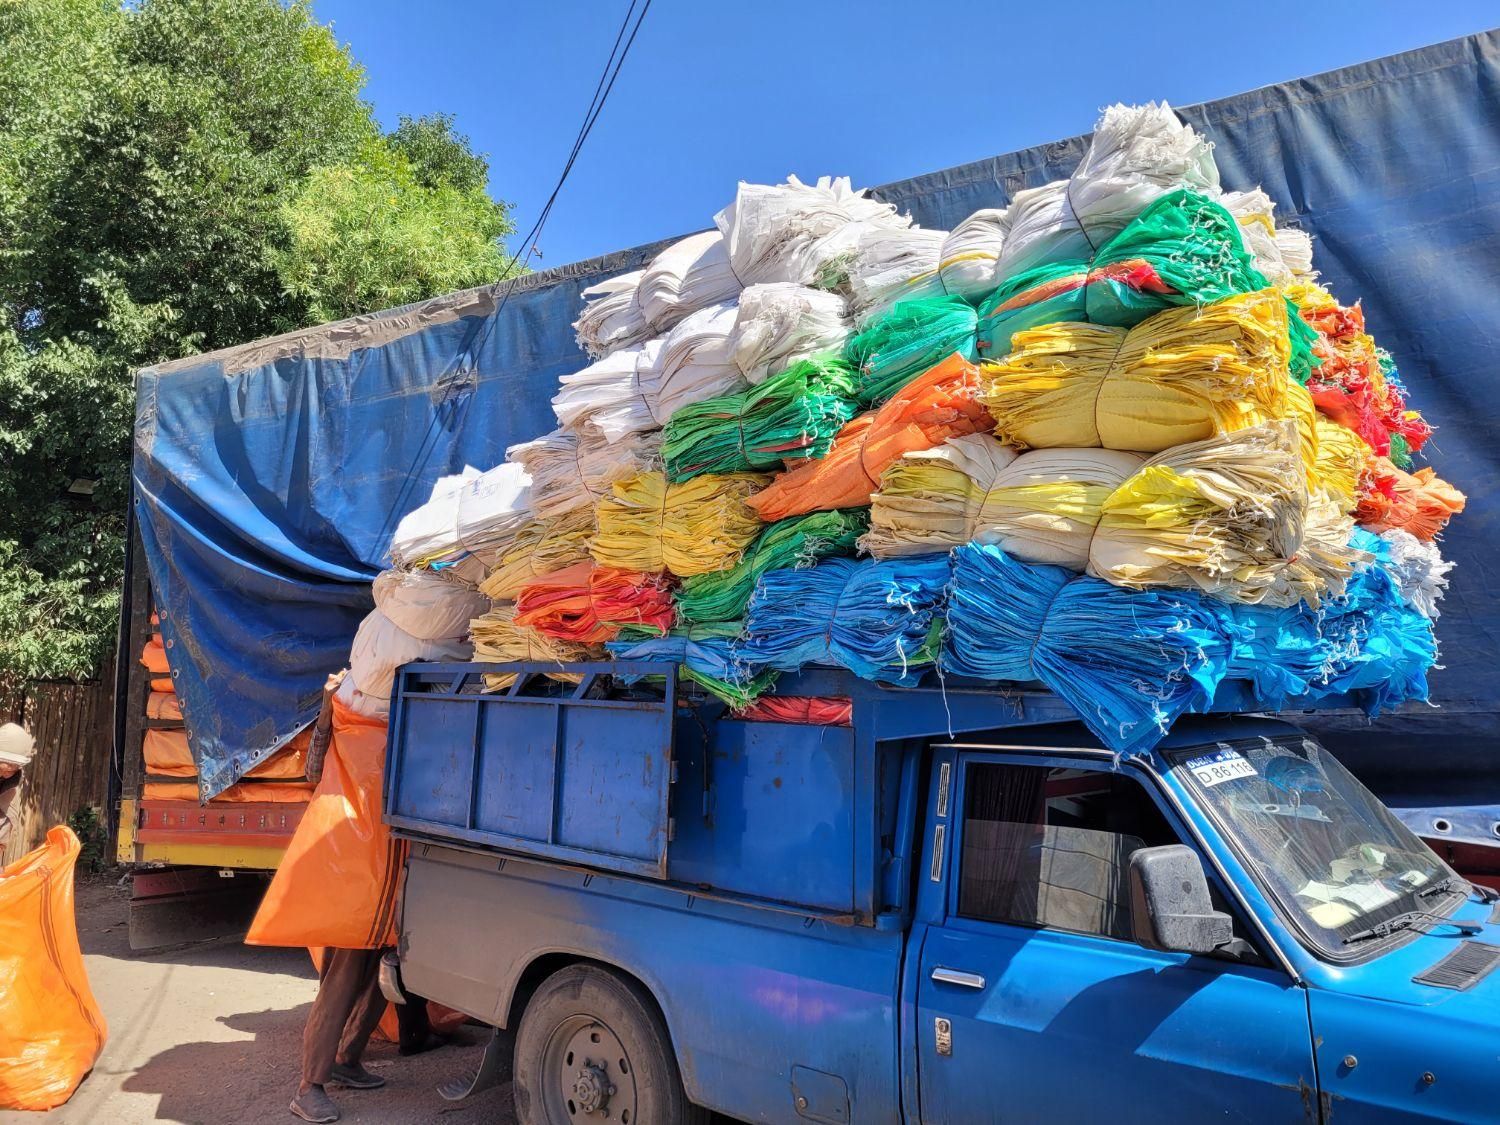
x,y
16,745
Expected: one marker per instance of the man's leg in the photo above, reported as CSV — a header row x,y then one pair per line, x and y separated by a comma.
x,y
340,990
369,1006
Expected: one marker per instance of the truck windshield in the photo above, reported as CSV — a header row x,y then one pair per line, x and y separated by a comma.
x,y
1321,845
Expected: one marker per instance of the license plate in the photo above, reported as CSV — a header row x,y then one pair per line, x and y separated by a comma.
x,y
1220,766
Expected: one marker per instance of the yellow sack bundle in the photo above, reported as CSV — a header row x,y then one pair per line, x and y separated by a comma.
x,y
1041,507
1232,516
698,526
541,547
499,640
1183,375
1341,459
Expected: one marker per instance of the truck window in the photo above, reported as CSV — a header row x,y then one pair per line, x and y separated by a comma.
x,y
1051,847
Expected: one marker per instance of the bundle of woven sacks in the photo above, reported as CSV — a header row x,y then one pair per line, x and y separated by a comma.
x,y
1114,438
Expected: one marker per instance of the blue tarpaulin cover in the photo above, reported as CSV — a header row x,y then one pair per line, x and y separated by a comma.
x,y
270,476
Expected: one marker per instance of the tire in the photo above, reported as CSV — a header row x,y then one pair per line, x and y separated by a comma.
x,y
590,1041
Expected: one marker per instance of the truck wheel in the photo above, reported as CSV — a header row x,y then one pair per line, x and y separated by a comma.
x,y
591,1049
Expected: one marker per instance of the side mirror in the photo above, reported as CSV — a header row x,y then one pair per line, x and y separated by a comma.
x,y
1170,908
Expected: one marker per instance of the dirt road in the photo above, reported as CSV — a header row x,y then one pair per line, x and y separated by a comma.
x,y
211,1035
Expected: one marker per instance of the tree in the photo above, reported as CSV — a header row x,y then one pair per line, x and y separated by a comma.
x,y
178,176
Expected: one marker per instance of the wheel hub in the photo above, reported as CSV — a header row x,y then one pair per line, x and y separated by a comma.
x,y
592,1088
593,1077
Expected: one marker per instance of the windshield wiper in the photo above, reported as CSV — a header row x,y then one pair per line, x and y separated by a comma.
x,y
1443,886
1407,920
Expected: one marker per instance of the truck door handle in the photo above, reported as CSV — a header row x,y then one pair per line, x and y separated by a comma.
x,y
958,977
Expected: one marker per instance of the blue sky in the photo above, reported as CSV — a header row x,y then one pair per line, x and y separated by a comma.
x,y
714,93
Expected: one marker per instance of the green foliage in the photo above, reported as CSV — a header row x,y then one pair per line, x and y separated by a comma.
x,y
391,227
89,829
178,176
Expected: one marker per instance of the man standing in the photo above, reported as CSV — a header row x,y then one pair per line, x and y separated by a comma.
x,y
15,754
349,1003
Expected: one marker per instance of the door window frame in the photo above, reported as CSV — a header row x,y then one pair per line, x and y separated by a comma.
x,y
1167,804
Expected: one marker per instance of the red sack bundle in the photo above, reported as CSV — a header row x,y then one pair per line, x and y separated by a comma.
x,y
589,604
816,710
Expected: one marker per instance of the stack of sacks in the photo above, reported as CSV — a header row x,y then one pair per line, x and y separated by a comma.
x,y
499,640
429,533
418,615
941,404
1230,516
1183,250
778,324
801,233
1420,572
1282,254
1371,642
1421,502
709,655
816,710
895,348
880,620
1129,663
890,266
1351,384
469,521
606,395
1180,376
793,542
540,547
689,275
699,526
612,316
572,468
589,604
969,260
790,417
1137,154
715,351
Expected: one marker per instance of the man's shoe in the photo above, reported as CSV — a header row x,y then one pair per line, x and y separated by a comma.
x,y
354,1076
315,1106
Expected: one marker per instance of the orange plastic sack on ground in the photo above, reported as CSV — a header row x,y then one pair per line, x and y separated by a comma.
x,y
51,1030
939,405
337,884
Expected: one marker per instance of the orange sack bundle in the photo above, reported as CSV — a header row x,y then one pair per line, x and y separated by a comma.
x,y
337,884
941,404
1421,502
51,1030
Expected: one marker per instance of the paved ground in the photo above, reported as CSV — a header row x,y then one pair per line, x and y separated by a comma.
x,y
210,1034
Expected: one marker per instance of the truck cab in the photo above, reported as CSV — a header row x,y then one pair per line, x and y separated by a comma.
x,y
957,908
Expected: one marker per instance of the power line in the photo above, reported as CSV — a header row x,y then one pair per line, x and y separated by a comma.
x,y
619,51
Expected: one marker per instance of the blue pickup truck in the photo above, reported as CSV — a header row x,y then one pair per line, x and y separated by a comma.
x,y
956,908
